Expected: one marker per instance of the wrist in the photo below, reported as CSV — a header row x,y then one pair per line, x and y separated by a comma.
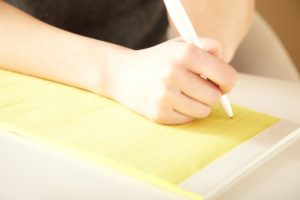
x,y
107,61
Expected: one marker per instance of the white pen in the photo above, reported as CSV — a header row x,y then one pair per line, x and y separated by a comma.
x,y
187,31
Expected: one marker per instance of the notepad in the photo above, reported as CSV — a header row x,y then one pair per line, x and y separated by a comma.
x,y
101,131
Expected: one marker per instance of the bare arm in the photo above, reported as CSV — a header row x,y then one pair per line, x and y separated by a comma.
x,y
226,21
162,83
35,48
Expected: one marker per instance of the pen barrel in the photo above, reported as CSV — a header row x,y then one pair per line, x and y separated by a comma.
x,y
182,22
188,33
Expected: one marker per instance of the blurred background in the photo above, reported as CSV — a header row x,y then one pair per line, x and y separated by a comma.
x,y
284,17
272,46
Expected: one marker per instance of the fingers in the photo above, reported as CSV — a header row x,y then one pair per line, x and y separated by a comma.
x,y
187,106
198,88
203,63
169,115
165,82
208,63
174,117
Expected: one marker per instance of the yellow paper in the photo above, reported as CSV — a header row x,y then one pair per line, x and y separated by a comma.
x,y
101,131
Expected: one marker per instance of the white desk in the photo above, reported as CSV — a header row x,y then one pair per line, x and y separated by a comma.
x,y
34,173
275,97
279,178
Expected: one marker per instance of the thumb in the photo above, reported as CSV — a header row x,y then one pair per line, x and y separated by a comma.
x,y
213,47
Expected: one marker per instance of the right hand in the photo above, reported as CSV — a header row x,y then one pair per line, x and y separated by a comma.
x,y
164,83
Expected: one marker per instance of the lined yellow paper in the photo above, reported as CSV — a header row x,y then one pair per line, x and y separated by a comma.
x,y
101,131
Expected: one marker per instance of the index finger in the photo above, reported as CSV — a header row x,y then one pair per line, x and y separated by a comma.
x,y
207,65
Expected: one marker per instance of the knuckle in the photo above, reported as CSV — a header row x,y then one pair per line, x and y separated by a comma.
x,y
162,99
157,116
161,106
160,116
186,52
172,76
190,50
177,62
183,55
213,45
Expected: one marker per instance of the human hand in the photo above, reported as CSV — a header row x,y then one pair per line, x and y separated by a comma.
x,y
165,83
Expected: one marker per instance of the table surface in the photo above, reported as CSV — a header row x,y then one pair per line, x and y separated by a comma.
x,y
36,171
280,177
275,97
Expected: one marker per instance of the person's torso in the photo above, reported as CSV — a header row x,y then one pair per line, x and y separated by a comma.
x,y
132,23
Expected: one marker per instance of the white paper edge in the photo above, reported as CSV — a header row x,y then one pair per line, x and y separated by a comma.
x,y
222,174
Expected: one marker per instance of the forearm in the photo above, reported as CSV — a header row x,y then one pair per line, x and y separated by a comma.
x,y
224,20
32,47
161,83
